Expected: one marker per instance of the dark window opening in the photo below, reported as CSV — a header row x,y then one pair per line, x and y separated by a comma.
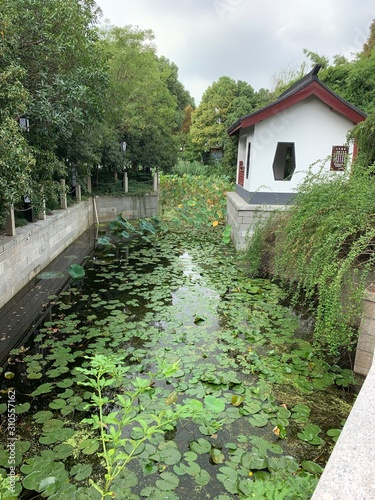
x,y
248,160
284,163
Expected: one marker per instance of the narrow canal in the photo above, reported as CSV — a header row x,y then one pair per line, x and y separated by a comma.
x,y
181,331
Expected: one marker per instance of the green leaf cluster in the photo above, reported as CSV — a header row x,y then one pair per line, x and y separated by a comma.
x,y
322,248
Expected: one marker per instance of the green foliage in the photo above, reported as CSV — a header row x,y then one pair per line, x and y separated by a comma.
x,y
322,247
116,450
126,231
195,199
163,337
152,112
222,104
364,135
184,167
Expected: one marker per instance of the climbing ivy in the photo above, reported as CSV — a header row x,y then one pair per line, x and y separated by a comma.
x,y
323,250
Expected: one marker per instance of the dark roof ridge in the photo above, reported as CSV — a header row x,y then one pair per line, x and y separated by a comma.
x,y
312,75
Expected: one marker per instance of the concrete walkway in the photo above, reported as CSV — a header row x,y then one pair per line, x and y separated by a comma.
x,y
350,471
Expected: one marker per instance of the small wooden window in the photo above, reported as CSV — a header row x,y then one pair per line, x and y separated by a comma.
x,y
339,157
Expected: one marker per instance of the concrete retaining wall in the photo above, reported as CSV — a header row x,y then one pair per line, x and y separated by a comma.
x,y
243,218
34,246
350,471
366,340
130,207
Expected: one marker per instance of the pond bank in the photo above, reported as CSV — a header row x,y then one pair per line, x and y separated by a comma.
x,y
35,245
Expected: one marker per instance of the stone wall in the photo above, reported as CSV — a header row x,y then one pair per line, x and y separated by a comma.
x,y
366,340
130,207
35,245
243,217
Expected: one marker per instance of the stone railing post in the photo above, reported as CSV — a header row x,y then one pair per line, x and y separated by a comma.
x,y
78,192
42,212
366,339
10,223
156,181
63,199
126,182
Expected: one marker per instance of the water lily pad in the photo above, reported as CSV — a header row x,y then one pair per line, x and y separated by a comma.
x,y
310,434
217,456
237,400
52,425
50,275
200,446
334,434
169,453
34,375
214,405
76,271
312,467
62,451
258,420
43,389
57,404
229,478
22,408
42,416
88,446
68,382
168,481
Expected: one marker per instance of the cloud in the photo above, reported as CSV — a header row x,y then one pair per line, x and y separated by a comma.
x,y
244,39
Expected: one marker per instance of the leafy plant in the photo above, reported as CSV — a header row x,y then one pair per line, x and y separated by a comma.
x,y
322,249
117,450
195,200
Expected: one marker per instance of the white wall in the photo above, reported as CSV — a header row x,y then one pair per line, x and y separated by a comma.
x,y
313,128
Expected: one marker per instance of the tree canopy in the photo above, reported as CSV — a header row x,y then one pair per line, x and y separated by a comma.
x,y
222,104
85,88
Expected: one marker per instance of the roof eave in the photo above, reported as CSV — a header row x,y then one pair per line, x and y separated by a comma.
x,y
314,87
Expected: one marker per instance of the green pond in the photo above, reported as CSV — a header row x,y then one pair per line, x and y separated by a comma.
x,y
185,336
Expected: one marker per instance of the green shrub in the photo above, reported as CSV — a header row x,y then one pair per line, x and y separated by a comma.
x,y
184,167
323,249
195,200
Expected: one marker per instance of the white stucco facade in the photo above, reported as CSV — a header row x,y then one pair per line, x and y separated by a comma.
x,y
310,125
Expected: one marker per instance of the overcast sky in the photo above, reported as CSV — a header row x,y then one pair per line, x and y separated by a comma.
x,y
249,40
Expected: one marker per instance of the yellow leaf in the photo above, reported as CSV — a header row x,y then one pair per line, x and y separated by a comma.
x,y
172,398
215,223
